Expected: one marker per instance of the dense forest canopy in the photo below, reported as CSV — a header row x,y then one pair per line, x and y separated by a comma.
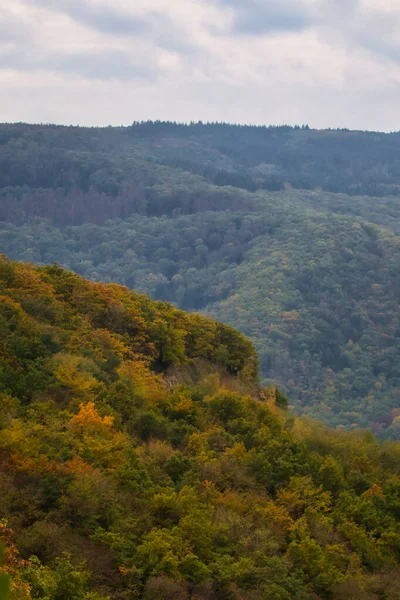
x,y
288,233
141,459
252,158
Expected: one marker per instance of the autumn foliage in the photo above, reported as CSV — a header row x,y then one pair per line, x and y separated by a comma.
x,y
139,458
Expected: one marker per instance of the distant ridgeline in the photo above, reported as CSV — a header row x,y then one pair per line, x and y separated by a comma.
x,y
68,160
289,234
140,459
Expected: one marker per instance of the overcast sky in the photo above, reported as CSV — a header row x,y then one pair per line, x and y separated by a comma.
x,y
328,63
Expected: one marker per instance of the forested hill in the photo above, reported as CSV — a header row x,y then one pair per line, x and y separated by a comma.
x,y
140,459
289,234
76,158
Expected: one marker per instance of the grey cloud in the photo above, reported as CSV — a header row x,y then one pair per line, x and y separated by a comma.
x,y
166,35
105,64
100,65
380,45
346,21
263,16
372,29
12,30
7,34
377,36
102,18
105,19
19,51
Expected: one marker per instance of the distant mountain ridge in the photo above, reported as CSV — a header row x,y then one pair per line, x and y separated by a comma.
x,y
264,228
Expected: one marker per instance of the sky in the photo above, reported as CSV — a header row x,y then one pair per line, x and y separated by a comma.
x,y
326,63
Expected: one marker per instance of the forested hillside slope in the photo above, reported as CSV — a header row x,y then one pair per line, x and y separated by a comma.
x,y
139,458
262,228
